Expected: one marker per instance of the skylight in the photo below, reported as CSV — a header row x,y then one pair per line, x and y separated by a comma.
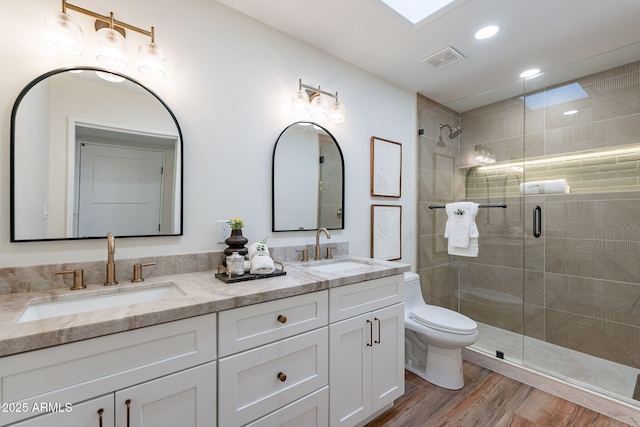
x,y
416,11
555,96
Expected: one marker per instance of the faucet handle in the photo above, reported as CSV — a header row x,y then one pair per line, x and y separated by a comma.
x,y
305,254
78,278
330,251
137,271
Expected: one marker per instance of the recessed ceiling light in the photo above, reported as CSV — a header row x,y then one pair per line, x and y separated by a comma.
x,y
530,74
570,112
487,32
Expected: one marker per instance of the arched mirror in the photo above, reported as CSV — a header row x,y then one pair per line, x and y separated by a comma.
x,y
93,152
308,179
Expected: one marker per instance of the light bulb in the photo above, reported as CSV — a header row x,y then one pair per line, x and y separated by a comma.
x,y
62,33
318,107
151,59
336,112
300,102
112,47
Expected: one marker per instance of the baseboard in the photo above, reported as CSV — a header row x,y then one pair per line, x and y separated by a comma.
x,y
595,401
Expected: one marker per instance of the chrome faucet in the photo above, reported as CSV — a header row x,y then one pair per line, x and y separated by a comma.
x,y
318,257
111,265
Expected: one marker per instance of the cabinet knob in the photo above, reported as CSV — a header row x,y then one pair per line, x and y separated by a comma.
x,y
282,377
282,319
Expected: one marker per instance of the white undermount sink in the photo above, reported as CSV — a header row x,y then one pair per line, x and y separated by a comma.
x,y
79,303
339,266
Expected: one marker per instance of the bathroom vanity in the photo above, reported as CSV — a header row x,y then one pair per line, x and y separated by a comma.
x,y
315,347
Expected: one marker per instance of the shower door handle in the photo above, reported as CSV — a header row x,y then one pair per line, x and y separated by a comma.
x,y
537,222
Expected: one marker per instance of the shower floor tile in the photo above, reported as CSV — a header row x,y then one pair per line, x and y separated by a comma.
x,y
577,368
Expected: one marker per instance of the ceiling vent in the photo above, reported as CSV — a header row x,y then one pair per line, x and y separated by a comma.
x,y
442,58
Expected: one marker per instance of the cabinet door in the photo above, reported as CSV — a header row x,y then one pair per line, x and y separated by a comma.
x,y
350,344
387,357
185,399
96,412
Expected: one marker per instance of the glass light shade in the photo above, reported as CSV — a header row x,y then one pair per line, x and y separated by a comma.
x,y
151,59
112,48
318,108
62,33
104,75
300,102
336,112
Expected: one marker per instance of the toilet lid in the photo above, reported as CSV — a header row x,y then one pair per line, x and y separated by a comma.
x,y
443,319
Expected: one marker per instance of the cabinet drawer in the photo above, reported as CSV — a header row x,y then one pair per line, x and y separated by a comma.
x,y
252,326
72,372
310,411
249,386
353,300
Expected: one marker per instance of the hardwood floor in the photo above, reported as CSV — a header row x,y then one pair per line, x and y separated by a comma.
x,y
487,399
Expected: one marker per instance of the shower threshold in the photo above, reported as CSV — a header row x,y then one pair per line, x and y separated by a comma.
x,y
586,371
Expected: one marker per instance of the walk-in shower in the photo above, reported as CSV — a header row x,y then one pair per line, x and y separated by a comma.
x,y
556,282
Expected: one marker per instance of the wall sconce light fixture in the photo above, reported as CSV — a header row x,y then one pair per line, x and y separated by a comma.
x,y
308,100
63,33
483,155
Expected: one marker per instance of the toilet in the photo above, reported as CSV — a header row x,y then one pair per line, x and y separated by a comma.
x,y
434,337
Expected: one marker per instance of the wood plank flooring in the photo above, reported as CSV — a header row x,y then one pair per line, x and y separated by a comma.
x,y
487,399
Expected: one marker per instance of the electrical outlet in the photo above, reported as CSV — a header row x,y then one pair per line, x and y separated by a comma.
x,y
224,230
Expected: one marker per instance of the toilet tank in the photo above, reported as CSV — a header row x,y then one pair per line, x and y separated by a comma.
x,y
412,292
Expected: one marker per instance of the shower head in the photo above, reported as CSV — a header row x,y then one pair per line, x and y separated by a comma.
x,y
453,132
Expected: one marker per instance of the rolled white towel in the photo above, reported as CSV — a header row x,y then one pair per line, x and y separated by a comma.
x,y
258,249
247,266
262,264
554,186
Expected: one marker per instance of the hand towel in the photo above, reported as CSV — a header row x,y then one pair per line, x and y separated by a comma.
x,y
262,264
461,229
257,249
554,186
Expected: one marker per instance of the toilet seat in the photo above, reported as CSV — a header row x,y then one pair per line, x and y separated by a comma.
x,y
444,320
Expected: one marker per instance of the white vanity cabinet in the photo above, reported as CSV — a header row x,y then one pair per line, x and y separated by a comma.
x,y
366,341
273,363
164,370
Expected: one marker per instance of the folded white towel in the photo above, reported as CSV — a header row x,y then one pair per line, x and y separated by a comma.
x,y
247,266
262,264
554,186
258,249
461,229
471,251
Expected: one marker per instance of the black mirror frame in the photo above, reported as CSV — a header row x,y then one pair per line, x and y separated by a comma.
x,y
273,192
14,112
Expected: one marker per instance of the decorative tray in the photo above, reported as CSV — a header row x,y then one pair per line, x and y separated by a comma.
x,y
224,275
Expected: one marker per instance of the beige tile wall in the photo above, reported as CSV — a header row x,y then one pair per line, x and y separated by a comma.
x,y
582,277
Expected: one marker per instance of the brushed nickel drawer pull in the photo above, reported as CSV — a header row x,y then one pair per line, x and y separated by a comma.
x,y
100,411
282,319
282,377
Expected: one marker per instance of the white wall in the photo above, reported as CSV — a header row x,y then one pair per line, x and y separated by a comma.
x,y
229,83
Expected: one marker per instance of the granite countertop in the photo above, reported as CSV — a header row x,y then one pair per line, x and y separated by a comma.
x,y
204,294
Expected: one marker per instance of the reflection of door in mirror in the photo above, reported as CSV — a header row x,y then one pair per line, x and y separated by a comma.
x,y
52,117
308,181
119,189
121,182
